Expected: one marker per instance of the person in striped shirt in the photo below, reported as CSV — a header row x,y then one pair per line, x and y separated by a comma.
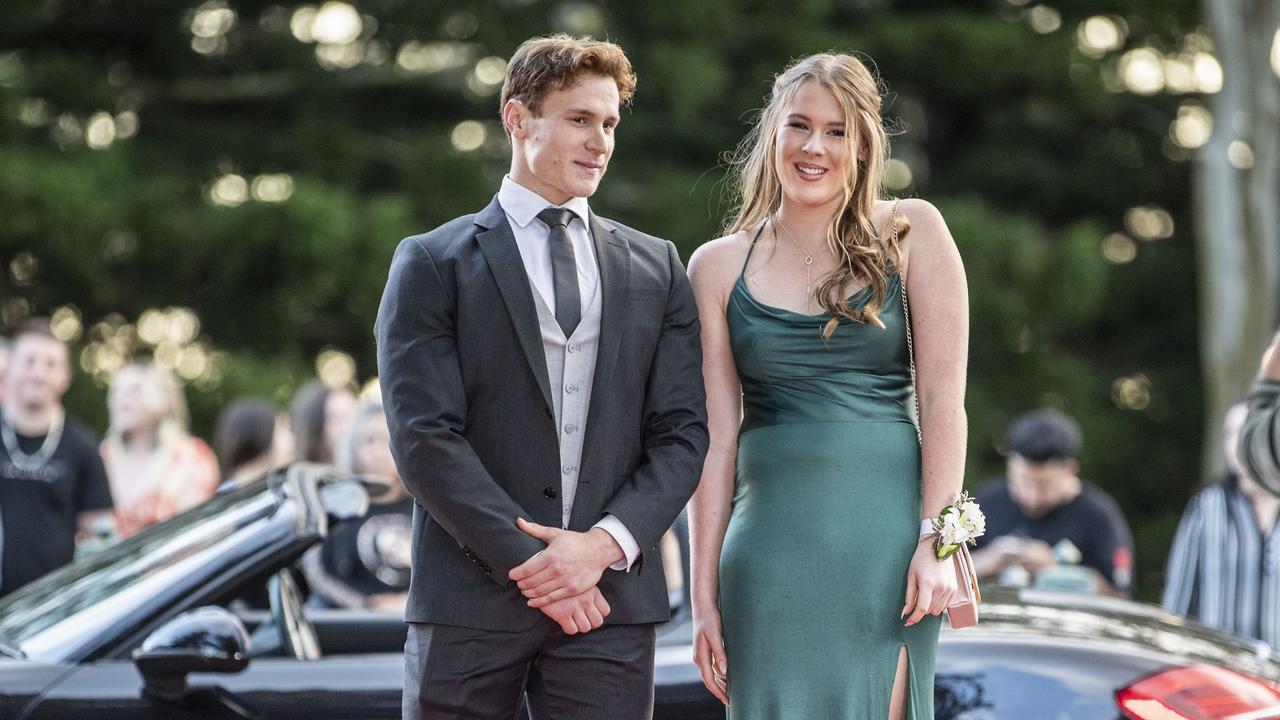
x,y
1260,438
1224,568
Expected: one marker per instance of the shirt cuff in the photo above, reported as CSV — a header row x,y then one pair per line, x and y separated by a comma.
x,y
620,533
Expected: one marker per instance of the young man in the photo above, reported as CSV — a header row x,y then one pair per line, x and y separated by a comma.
x,y
1260,438
541,371
52,482
1042,517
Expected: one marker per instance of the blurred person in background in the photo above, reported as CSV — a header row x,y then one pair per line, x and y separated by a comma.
x,y
1044,524
1222,568
321,417
366,563
252,439
156,468
1260,437
5,345
53,486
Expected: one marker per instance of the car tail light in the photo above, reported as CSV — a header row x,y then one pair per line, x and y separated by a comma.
x,y
1199,692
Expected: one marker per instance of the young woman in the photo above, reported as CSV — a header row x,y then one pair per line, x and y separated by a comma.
x,y
812,593
155,466
366,563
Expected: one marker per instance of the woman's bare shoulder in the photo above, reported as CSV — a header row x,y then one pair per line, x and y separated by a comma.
x,y
719,261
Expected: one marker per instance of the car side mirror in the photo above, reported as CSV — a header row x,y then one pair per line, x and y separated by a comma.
x,y
207,639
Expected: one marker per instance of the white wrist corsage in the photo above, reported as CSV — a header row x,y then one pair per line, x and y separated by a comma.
x,y
960,522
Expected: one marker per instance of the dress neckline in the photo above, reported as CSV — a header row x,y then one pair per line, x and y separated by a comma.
x,y
858,298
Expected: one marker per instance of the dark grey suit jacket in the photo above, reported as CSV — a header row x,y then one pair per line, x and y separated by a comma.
x,y
464,382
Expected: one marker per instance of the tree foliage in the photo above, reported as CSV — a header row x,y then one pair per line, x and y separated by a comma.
x,y
1024,142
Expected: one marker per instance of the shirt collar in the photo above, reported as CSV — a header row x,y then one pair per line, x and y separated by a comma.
x,y
523,205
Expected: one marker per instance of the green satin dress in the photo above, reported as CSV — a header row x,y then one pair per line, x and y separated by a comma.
x,y
826,516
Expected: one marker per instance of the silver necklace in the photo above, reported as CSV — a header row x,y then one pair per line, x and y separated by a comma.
x,y
808,258
36,460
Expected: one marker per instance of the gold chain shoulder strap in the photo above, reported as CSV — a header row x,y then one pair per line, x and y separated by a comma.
x,y
906,321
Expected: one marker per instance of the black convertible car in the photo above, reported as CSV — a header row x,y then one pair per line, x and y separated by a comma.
x,y
155,627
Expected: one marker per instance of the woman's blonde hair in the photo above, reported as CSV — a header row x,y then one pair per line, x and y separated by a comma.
x,y
162,394
863,253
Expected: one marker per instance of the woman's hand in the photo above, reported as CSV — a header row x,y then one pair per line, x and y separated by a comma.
x,y
931,584
708,653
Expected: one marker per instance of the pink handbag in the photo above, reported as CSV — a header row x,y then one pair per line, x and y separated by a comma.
x,y
963,610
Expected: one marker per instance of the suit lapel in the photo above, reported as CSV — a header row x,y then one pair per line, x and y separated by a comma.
x,y
499,247
614,257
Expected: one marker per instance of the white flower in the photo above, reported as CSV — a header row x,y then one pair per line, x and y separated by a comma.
x,y
953,534
972,519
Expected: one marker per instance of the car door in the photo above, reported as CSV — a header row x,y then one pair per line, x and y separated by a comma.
x,y
348,687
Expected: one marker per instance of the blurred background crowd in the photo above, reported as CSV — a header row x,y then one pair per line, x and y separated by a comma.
x,y
201,200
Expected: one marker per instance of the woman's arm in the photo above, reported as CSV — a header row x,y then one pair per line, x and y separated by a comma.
x,y
939,303
712,271
939,298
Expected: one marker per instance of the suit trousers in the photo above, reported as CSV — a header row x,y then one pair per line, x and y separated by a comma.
x,y
456,673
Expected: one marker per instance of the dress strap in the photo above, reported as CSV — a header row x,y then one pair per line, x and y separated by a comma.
x,y
751,249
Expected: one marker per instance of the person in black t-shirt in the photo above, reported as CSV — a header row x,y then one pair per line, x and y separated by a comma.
x,y
365,562
1042,519
53,487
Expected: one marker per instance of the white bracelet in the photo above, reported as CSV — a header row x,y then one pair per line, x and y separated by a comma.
x,y
926,527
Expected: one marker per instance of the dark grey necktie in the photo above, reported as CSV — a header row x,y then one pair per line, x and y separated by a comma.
x,y
564,270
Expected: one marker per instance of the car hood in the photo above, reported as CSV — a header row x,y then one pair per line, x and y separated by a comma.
x,y
1122,626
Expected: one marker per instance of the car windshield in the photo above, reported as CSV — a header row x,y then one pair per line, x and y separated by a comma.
x,y
89,596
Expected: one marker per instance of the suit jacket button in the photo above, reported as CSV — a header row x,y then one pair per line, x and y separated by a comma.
x,y
550,493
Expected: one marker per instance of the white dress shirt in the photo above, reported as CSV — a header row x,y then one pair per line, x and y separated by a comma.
x,y
522,207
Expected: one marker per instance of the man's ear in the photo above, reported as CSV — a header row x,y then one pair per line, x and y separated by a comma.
x,y
515,116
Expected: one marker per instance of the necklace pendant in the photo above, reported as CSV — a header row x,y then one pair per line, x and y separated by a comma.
x,y
808,259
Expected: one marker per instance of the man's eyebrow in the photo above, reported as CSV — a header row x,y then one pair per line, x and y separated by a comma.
x,y
593,113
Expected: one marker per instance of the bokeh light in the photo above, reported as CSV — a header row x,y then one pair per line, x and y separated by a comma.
x,y
1142,71
467,135
1149,222
212,19
1192,127
1275,53
1180,74
461,25
1208,73
23,269
578,18
1240,155
229,190
1119,248
1100,34
491,70
1044,19
897,174
336,23
100,131
335,368
1132,392
33,112
301,21
425,58
126,125
65,323
272,188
